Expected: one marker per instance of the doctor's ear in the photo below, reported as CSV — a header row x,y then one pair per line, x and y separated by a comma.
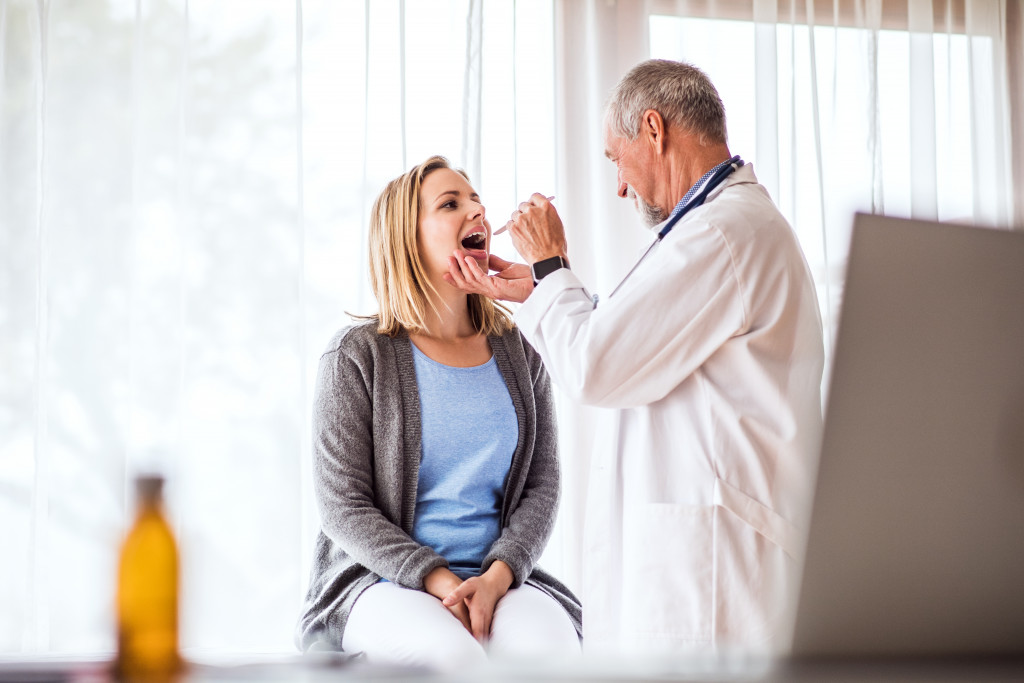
x,y
652,129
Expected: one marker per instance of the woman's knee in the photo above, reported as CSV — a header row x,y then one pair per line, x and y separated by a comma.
x,y
397,625
530,623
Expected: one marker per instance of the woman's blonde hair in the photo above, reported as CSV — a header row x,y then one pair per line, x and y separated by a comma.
x,y
397,275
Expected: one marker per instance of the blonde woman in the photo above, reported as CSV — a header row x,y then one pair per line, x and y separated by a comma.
x,y
434,456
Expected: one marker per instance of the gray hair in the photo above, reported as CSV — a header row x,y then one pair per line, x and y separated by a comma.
x,y
680,92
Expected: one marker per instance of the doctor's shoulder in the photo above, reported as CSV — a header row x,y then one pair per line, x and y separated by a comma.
x,y
748,222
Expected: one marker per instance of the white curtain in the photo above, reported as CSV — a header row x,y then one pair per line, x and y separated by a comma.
x,y
184,188
183,196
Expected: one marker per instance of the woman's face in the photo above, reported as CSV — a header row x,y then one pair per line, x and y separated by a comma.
x,y
451,218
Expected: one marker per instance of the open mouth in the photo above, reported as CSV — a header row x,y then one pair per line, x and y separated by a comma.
x,y
475,241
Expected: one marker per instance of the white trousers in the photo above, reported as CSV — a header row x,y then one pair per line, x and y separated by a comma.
x,y
398,625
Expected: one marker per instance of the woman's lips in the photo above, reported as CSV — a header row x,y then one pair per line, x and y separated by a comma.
x,y
475,254
474,244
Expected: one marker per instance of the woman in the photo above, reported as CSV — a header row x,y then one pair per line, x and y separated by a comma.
x,y
434,456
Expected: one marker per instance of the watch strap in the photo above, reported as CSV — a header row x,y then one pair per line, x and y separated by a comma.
x,y
545,267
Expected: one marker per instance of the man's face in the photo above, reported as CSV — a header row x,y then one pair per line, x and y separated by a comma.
x,y
634,176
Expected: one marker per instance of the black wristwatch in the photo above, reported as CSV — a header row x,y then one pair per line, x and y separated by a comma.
x,y
542,269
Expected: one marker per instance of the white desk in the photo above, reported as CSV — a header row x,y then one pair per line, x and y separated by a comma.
x,y
327,668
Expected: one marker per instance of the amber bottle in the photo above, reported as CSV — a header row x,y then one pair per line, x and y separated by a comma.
x,y
147,592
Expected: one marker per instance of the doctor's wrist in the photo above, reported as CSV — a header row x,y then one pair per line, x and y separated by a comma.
x,y
544,267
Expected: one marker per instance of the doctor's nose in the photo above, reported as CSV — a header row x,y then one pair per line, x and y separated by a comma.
x,y
623,189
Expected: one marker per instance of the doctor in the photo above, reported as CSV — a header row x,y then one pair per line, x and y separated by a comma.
x,y
711,354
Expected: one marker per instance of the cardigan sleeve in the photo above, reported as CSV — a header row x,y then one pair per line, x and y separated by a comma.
x,y
343,453
529,527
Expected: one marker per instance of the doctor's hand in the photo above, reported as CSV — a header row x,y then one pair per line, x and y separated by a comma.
x,y
481,594
440,582
511,281
537,231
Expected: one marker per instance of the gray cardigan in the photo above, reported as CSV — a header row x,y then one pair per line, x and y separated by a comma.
x,y
366,455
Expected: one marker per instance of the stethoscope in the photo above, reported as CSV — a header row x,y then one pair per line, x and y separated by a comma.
x,y
696,200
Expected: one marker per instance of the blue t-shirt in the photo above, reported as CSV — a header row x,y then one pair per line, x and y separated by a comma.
x,y
469,434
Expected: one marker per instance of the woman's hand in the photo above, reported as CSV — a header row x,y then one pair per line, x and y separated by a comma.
x,y
440,583
481,595
511,281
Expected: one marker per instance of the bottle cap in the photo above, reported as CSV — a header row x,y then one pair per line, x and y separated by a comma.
x,y
149,488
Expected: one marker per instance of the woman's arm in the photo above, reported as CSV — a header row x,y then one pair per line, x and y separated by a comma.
x,y
343,452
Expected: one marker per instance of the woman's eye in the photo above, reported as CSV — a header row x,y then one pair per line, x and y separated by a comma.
x,y
450,204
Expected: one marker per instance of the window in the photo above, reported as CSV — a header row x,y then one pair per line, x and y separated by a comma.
x,y
844,118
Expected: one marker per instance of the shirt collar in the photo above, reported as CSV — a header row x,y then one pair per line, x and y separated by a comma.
x,y
696,186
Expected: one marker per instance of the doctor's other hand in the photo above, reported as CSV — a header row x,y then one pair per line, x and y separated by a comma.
x,y
511,281
537,231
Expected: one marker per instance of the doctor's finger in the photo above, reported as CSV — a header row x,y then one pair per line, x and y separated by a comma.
x,y
472,272
465,266
455,269
536,200
463,279
497,263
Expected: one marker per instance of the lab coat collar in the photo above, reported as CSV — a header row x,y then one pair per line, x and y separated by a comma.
x,y
743,174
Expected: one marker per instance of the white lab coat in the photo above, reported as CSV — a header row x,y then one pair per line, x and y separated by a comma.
x,y
711,353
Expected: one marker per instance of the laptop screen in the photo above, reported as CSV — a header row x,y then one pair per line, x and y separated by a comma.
x,y
916,541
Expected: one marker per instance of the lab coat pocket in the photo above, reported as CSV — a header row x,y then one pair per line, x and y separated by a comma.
x,y
668,570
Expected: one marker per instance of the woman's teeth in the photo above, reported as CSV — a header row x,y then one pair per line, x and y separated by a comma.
x,y
475,240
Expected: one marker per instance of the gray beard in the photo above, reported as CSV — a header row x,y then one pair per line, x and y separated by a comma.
x,y
652,215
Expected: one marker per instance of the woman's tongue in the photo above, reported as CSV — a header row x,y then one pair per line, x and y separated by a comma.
x,y
475,248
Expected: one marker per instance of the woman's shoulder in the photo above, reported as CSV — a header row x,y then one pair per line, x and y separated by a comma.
x,y
358,341
356,356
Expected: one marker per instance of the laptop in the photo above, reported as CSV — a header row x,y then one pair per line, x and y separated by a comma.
x,y
916,540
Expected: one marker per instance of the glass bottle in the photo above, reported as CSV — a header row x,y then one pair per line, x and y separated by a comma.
x,y
147,592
